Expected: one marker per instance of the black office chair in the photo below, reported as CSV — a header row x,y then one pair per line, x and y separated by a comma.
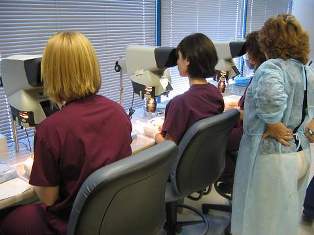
x,y
125,197
199,163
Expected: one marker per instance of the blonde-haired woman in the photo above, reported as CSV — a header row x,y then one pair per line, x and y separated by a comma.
x,y
269,186
90,131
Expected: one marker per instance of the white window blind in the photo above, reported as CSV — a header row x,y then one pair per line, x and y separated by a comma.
x,y
219,20
111,25
260,10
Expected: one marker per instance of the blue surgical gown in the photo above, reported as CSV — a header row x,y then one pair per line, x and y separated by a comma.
x,y
267,195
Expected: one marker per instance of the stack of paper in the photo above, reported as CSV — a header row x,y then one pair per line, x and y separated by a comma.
x,y
7,173
13,188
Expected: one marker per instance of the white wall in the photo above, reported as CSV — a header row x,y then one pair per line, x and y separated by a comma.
x,y
303,10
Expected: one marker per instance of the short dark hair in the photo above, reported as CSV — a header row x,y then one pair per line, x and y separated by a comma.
x,y
200,51
253,48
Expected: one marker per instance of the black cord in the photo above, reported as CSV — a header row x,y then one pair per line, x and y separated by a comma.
x,y
131,110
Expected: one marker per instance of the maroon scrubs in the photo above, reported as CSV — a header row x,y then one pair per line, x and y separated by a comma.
x,y
200,101
233,147
69,145
237,131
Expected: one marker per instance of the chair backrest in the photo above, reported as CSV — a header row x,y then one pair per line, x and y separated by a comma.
x,y
202,150
125,197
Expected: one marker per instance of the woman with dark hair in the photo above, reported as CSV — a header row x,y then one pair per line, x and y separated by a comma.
x,y
196,59
254,58
269,184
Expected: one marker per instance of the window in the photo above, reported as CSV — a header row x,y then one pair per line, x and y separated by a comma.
x,y
258,12
219,20
111,25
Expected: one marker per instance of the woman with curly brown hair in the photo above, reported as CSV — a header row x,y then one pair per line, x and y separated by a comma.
x,y
269,191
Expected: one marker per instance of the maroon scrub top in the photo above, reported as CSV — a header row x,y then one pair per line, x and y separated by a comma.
x,y
84,136
237,131
241,101
200,101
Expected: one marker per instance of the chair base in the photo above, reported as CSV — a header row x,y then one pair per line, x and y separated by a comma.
x,y
201,193
173,226
218,207
228,229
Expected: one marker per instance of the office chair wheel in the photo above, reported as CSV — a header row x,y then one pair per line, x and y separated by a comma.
x,y
224,189
196,198
207,190
201,193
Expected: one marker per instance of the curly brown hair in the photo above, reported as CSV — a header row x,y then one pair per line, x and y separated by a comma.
x,y
253,48
283,37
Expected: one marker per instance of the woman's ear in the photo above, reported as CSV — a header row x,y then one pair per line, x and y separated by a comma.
x,y
187,62
253,62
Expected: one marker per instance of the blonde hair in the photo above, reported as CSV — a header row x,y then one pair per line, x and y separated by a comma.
x,y
283,37
69,67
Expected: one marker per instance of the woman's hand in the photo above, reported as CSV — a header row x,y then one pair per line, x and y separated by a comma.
x,y
47,194
231,104
159,138
241,114
280,132
309,131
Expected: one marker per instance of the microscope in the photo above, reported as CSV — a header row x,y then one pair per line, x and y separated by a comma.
x,y
22,84
225,68
146,67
